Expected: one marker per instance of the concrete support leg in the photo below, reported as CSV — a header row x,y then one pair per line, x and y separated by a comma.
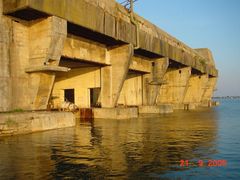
x,y
152,81
45,50
113,77
131,94
5,81
208,93
173,92
195,90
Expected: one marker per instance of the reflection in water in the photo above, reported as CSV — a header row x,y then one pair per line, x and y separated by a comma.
x,y
146,147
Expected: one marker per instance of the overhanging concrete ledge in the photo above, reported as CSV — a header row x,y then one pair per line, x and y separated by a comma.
x,y
115,113
46,68
159,109
29,122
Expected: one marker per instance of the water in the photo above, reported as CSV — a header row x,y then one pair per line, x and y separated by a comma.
x,y
145,148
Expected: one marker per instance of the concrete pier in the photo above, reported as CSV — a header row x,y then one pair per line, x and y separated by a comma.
x,y
29,122
115,113
158,109
87,52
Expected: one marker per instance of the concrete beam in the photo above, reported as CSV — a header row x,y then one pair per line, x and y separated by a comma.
x,y
141,64
46,68
83,49
153,81
113,77
173,92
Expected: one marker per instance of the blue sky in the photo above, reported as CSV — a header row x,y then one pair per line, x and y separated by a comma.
x,y
214,24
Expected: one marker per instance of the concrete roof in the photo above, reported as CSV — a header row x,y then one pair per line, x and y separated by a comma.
x,y
110,19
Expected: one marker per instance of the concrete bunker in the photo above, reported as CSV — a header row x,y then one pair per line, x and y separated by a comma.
x,y
96,43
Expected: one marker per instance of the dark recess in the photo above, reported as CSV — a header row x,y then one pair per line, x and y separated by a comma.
x,y
197,72
77,63
175,65
28,14
146,53
92,35
69,95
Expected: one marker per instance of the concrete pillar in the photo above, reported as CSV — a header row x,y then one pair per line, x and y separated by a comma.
x,y
5,81
46,49
208,92
196,87
32,46
131,93
173,92
113,77
153,81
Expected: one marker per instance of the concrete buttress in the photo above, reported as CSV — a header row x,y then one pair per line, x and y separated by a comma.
x,y
153,81
196,87
45,50
208,92
113,77
37,46
175,86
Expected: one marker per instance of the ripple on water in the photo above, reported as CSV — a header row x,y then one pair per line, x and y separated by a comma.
x,y
144,148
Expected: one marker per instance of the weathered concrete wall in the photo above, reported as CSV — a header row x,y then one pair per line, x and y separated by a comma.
x,y
83,49
157,109
5,85
80,80
96,39
111,19
196,87
208,93
115,113
114,76
205,52
131,94
173,92
28,122
153,81
27,45
45,50
141,64
19,57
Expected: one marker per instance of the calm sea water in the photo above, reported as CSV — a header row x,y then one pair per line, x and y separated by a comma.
x,y
145,148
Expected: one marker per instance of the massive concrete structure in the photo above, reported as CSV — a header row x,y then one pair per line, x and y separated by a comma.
x,y
94,54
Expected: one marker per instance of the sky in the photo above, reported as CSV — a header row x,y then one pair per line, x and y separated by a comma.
x,y
214,24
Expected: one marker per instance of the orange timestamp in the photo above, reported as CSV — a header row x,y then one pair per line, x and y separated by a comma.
x,y
201,163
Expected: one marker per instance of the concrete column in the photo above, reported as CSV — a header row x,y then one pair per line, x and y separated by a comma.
x,y
32,46
208,92
153,81
113,77
45,50
173,92
196,87
5,81
131,94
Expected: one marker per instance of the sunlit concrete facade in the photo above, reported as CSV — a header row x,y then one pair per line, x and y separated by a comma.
x,y
86,51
